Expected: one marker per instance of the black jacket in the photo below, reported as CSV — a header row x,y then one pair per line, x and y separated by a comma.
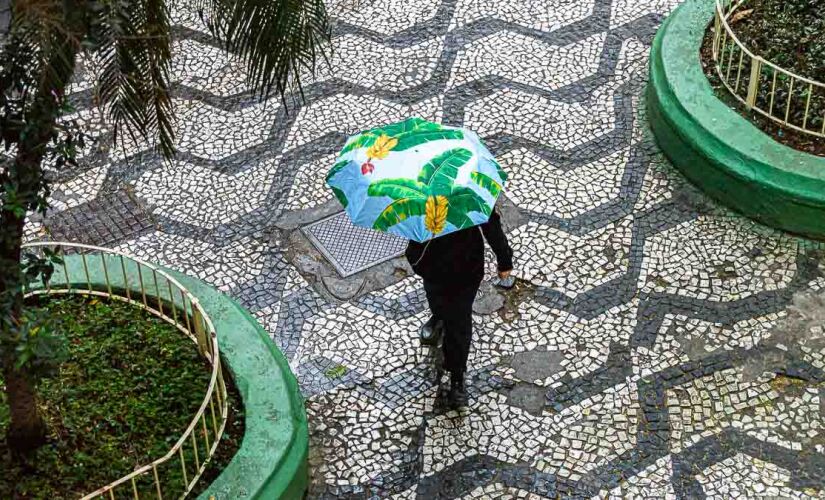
x,y
459,257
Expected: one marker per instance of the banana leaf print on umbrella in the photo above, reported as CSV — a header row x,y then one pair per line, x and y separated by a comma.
x,y
417,179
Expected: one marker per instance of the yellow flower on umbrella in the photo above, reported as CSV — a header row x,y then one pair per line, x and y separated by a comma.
x,y
382,147
434,179
378,151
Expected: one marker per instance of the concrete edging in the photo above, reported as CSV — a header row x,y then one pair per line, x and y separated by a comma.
x,y
718,150
272,460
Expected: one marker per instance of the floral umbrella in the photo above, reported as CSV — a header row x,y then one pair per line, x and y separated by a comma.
x,y
417,179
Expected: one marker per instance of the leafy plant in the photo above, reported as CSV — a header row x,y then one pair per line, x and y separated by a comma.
x,y
129,385
131,39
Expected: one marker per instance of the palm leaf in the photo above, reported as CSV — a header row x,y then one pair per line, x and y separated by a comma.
x,y
397,189
412,139
276,39
364,140
465,200
486,182
399,211
132,41
501,173
414,124
459,219
396,130
341,196
439,173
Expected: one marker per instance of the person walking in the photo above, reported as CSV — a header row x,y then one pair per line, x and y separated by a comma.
x,y
452,267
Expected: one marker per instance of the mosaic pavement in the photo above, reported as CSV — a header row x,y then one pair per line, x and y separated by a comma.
x,y
638,357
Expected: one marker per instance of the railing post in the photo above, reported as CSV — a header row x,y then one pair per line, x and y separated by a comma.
x,y
200,332
753,84
198,327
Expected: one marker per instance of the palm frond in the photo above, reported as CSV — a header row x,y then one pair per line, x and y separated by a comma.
x,y
132,41
276,39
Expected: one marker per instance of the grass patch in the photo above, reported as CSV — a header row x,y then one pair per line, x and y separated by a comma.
x,y
129,389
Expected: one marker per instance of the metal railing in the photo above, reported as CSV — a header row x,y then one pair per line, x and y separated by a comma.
x,y
789,99
132,280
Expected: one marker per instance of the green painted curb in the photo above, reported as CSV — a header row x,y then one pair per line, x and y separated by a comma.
x,y
272,461
717,149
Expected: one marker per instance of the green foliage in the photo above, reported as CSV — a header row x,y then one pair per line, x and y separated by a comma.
x,y
437,178
39,347
342,197
412,139
789,33
336,168
410,133
399,211
439,173
398,189
129,387
336,372
486,182
131,41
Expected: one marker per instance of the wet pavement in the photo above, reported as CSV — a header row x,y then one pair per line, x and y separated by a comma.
x,y
641,353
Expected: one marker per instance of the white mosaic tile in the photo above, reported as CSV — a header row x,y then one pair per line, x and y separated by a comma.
x,y
583,345
365,63
717,258
78,190
654,482
207,68
374,345
362,112
569,263
527,60
203,197
384,16
625,11
559,125
359,438
537,185
743,476
542,15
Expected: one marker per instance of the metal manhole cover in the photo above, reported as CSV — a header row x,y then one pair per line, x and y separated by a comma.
x,y
350,248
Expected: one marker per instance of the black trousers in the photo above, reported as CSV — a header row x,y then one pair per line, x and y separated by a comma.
x,y
453,304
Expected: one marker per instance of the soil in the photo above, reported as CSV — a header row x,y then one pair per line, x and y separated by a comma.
x,y
788,32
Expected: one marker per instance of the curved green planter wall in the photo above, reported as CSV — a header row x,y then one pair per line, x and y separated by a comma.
x,y
717,149
272,461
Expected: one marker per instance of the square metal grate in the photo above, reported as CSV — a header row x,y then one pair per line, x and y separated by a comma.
x,y
350,248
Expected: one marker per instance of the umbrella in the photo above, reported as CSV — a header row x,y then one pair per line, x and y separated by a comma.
x,y
417,179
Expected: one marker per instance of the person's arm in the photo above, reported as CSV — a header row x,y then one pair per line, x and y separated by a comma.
x,y
494,234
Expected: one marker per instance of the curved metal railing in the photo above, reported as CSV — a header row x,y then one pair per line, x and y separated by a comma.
x,y
132,280
786,98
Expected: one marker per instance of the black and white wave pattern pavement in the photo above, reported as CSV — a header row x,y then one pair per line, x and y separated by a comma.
x,y
621,369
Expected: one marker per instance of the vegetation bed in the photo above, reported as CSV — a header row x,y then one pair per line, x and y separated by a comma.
x,y
790,34
130,387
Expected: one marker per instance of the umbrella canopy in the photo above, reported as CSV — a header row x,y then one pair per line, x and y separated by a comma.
x,y
417,179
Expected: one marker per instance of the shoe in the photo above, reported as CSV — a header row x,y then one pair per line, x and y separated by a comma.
x,y
457,397
430,332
